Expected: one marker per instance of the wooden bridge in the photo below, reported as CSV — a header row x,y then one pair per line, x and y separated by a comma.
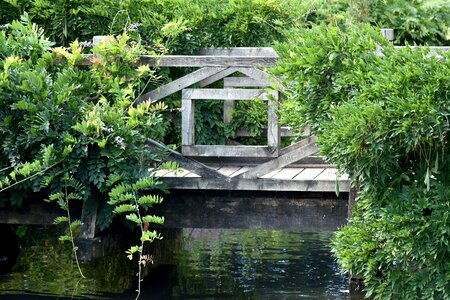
x,y
265,167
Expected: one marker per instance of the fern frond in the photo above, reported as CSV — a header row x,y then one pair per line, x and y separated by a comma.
x,y
148,200
133,218
60,220
153,219
124,208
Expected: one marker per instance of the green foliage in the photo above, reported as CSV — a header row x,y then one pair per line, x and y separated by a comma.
x,y
384,120
416,21
137,203
60,119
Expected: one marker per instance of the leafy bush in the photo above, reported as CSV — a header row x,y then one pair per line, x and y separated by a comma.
x,y
63,121
384,120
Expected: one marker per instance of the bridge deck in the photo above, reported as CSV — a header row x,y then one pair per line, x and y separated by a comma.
x,y
302,179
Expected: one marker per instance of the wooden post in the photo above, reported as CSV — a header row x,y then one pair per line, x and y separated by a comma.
x,y
187,118
273,126
388,33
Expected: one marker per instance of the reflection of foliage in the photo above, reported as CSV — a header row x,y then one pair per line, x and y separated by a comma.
x,y
241,263
46,267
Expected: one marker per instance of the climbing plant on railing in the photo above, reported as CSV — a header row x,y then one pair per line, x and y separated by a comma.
x,y
71,132
381,114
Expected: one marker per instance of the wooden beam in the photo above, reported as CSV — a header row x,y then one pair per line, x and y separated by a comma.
x,y
227,94
228,151
88,219
294,146
282,161
228,108
187,119
273,127
245,82
208,61
242,184
284,132
260,75
179,84
216,77
186,163
239,51
387,33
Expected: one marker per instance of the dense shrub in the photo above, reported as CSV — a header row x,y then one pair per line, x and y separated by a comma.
x,y
381,115
63,123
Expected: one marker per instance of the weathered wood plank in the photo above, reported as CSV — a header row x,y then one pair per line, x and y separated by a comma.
x,y
228,108
88,218
161,173
208,61
244,82
240,171
294,146
241,184
227,151
284,132
192,175
177,173
271,174
309,173
388,33
40,213
227,94
273,127
228,171
327,174
287,173
260,75
283,160
179,84
216,77
187,119
239,51
184,162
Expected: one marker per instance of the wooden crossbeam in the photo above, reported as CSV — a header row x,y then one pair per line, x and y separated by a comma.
x,y
186,163
227,94
228,151
239,51
216,77
179,84
260,75
244,82
305,150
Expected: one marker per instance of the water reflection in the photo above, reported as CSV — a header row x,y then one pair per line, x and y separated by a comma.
x,y
257,264
205,264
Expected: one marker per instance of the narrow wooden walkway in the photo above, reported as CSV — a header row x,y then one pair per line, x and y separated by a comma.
x,y
299,179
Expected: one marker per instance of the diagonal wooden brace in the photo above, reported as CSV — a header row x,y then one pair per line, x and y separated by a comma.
x,y
282,161
179,84
186,163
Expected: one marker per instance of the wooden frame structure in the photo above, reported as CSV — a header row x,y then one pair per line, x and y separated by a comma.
x,y
218,64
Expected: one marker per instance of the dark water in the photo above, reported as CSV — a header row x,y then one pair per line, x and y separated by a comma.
x,y
202,264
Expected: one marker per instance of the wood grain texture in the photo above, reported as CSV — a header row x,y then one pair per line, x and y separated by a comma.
x,y
184,162
283,160
242,184
227,151
179,84
227,94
